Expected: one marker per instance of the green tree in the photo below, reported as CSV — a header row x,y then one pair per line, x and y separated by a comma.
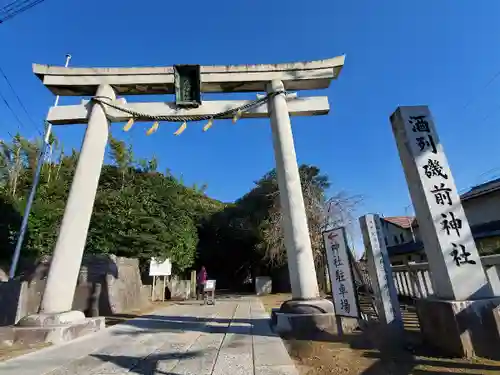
x,y
138,211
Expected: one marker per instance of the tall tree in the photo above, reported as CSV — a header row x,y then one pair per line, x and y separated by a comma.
x,y
248,235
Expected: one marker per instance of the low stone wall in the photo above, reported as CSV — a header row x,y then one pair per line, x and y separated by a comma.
x,y
179,289
173,288
106,285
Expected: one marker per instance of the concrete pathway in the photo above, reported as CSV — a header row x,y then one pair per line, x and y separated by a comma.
x,y
233,337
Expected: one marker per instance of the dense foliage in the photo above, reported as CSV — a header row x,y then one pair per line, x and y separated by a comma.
x,y
246,238
141,212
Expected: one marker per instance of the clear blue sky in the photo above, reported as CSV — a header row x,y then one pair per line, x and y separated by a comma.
x,y
438,53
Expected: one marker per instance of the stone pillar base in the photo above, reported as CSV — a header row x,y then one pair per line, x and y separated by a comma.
x,y
51,319
306,319
315,306
52,328
461,328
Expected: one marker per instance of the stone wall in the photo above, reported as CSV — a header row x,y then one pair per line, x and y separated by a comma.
x,y
18,299
179,289
170,288
106,285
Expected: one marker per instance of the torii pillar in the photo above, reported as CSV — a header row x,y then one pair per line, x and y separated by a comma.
x,y
108,82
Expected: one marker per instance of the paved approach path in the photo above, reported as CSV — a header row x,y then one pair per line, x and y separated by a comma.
x,y
233,337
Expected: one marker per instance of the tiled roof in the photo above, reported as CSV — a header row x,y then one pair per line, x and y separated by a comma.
x,y
401,221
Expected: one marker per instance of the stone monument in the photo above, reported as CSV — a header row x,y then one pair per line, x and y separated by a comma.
x,y
379,269
461,318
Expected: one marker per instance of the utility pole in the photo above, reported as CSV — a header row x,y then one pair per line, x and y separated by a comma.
x,y
410,222
31,197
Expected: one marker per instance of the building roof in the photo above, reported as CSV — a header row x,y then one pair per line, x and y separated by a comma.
x,y
482,189
474,192
401,221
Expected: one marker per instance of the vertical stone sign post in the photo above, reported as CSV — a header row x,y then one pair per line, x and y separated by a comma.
x,y
453,258
379,268
341,276
458,311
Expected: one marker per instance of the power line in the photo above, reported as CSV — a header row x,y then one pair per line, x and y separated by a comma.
x,y
16,7
12,111
19,100
490,81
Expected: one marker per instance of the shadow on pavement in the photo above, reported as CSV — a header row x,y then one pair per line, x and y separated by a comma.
x,y
163,323
379,354
156,323
149,365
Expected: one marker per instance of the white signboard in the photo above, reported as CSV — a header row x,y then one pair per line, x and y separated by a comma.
x,y
453,257
343,290
379,268
209,285
160,269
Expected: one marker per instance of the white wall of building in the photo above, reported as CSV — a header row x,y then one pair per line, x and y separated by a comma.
x,y
479,210
395,235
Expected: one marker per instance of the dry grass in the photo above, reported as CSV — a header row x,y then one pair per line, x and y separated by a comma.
x,y
272,301
368,353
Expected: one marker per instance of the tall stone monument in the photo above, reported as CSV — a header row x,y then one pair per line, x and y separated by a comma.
x,y
459,318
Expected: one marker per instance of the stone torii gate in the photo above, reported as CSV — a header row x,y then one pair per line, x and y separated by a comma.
x,y
105,84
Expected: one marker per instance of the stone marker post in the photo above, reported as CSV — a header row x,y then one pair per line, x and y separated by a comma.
x,y
379,269
453,258
460,318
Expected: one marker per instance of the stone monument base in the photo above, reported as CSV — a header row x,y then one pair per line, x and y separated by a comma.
x,y
50,319
308,318
461,328
52,328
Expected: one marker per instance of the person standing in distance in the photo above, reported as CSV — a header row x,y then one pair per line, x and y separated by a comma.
x,y
200,282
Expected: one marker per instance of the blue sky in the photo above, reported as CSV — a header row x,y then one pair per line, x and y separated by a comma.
x,y
437,53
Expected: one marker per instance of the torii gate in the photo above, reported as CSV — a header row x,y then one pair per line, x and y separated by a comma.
x,y
187,82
